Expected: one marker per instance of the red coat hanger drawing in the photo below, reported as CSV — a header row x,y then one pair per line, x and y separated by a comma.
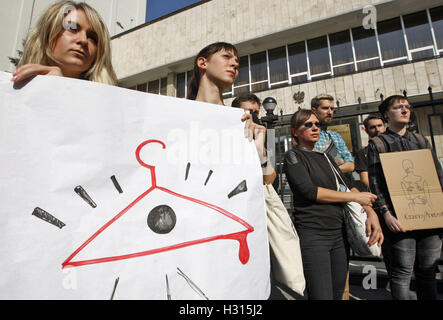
x,y
241,236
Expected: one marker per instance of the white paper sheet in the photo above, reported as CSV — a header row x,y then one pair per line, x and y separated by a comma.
x,y
58,133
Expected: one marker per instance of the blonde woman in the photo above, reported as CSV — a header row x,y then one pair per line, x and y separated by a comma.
x,y
69,40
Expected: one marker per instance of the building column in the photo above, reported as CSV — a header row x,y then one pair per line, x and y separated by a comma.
x,y
171,89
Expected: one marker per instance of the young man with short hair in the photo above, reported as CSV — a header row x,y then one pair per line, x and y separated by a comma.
x,y
331,142
252,103
247,101
374,127
403,251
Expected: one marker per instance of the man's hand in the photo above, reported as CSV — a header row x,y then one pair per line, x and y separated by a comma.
x,y
392,223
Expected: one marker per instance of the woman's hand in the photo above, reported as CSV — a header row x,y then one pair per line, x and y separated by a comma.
x,y
373,228
392,223
29,70
364,198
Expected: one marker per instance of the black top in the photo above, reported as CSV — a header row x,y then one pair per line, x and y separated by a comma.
x,y
361,162
306,171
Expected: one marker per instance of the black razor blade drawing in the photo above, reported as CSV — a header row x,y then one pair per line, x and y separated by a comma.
x,y
209,175
46,216
116,184
238,189
85,196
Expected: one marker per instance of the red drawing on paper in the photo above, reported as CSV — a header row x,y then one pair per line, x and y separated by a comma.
x,y
241,236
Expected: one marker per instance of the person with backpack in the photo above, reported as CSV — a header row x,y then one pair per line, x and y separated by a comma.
x,y
404,252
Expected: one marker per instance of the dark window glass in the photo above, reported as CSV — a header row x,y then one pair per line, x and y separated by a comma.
x,y
349,68
390,36
243,72
153,86
259,70
318,55
437,24
297,58
278,68
368,65
142,87
260,87
163,86
299,79
240,90
341,47
417,30
365,43
181,85
425,54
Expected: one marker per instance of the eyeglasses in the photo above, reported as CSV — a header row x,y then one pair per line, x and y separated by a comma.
x,y
309,124
401,106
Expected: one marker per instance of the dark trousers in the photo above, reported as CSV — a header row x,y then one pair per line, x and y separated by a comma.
x,y
325,263
411,252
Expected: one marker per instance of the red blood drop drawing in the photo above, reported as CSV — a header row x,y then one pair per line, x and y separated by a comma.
x,y
241,236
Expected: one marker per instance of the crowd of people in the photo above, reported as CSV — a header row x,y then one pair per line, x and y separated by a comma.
x,y
71,40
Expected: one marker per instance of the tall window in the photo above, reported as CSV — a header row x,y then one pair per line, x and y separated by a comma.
x,y
341,51
259,71
392,42
154,86
419,35
298,66
182,84
366,48
241,84
437,25
142,87
278,67
318,53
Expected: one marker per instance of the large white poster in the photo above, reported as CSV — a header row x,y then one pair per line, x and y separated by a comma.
x,y
112,193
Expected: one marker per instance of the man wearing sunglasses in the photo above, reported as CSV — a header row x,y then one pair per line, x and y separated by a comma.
x,y
404,252
331,142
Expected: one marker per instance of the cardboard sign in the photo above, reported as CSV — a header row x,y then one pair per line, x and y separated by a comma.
x,y
414,188
345,131
113,193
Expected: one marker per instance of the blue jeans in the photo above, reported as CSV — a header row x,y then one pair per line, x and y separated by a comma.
x,y
413,251
325,263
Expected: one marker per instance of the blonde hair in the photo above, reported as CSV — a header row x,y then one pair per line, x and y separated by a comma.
x,y
315,102
41,40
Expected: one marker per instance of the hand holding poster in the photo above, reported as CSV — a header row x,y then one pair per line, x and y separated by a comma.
x,y
108,192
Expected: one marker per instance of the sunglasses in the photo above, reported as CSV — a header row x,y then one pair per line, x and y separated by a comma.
x,y
309,124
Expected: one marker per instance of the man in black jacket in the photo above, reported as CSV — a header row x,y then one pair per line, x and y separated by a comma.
x,y
404,251
374,127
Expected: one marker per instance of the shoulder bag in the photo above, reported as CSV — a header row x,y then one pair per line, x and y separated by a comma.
x,y
355,220
286,260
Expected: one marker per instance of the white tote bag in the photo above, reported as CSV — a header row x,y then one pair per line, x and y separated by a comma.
x,y
355,220
286,260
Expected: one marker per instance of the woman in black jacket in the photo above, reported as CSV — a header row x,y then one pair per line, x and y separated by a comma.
x,y
318,211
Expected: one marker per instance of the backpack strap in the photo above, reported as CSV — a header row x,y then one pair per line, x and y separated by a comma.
x,y
379,144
